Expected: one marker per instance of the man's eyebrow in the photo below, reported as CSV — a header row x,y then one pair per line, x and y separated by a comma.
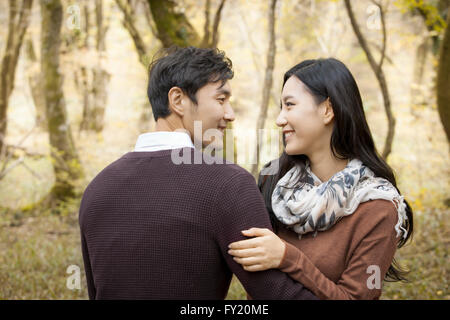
x,y
224,91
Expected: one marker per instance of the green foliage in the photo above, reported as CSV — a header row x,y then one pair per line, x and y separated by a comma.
x,y
426,257
35,251
429,9
37,248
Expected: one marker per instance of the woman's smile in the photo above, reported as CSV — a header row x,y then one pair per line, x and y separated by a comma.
x,y
288,134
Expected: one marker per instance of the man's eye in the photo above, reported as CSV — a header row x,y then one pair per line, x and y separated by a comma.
x,y
288,104
222,100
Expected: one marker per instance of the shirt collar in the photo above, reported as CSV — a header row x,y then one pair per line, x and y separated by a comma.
x,y
163,140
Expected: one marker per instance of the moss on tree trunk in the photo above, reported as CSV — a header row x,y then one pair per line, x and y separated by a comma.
x,y
66,165
443,80
173,27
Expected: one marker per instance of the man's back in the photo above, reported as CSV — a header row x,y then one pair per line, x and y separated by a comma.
x,y
152,229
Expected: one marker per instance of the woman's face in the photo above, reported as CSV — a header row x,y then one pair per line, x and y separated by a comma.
x,y
304,126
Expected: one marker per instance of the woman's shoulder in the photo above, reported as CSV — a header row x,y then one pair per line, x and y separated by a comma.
x,y
376,215
384,209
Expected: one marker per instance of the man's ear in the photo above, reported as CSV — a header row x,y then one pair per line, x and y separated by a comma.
x,y
328,113
177,101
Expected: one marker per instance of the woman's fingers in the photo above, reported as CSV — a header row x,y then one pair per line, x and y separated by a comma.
x,y
256,232
247,261
245,244
253,268
245,253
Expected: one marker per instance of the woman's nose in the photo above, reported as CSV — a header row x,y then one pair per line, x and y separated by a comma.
x,y
281,120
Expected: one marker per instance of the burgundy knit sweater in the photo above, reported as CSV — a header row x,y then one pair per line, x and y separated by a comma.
x,y
151,229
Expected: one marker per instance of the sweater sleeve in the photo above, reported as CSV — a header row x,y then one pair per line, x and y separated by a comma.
x,y
88,269
92,292
365,269
240,206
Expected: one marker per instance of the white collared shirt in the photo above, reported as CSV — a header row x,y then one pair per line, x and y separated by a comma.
x,y
162,140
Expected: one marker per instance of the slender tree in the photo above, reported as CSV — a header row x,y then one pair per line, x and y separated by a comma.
x,y
211,34
33,71
377,68
129,18
18,21
268,80
66,164
95,103
443,79
433,14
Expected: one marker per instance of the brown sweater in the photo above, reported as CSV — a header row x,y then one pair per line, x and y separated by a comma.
x,y
151,229
334,264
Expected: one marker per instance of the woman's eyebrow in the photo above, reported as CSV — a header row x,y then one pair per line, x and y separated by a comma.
x,y
287,97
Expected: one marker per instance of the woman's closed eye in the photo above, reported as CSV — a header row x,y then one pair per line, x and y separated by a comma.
x,y
288,104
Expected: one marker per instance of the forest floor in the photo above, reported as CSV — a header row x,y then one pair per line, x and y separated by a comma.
x,y
37,248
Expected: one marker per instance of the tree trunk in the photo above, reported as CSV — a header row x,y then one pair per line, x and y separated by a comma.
x,y
379,74
19,19
95,96
173,27
95,110
142,50
443,80
128,23
35,82
66,165
84,84
268,80
211,34
83,72
417,92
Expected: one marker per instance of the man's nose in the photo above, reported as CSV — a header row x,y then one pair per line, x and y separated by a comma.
x,y
229,113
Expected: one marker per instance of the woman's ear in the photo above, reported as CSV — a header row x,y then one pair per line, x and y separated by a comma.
x,y
328,114
176,98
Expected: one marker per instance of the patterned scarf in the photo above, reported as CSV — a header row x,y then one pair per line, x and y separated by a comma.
x,y
317,206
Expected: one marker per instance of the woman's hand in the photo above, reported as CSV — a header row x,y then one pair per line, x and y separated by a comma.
x,y
263,252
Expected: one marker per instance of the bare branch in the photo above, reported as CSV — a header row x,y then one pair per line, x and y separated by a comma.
x,y
379,74
5,170
215,31
268,79
206,34
128,22
383,28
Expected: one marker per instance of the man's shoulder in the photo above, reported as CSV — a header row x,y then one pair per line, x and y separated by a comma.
x,y
109,170
194,163
218,165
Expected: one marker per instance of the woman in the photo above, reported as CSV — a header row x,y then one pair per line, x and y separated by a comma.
x,y
334,203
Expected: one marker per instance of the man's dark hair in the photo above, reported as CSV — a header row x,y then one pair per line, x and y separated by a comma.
x,y
187,68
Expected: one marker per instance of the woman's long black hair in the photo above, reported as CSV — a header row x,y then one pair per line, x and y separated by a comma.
x,y
351,137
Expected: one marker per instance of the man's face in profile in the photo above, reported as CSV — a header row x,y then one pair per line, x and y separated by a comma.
x,y
213,111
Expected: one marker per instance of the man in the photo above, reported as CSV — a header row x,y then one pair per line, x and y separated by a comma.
x,y
154,227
